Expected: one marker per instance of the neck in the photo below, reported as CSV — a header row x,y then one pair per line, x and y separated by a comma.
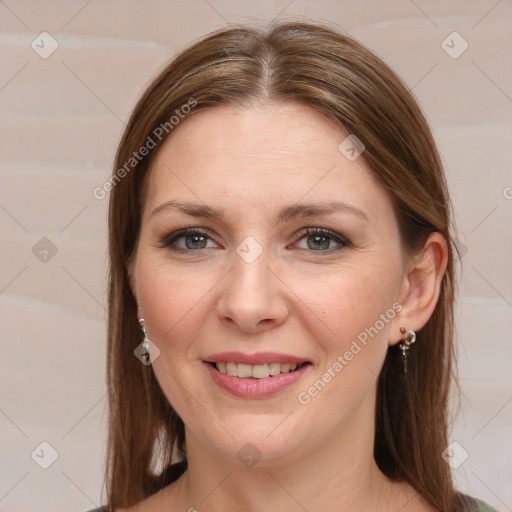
x,y
338,473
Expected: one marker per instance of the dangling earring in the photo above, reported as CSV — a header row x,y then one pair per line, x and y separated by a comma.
x,y
144,353
147,351
406,343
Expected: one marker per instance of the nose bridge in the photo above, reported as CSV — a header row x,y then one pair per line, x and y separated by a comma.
x,y
251,273
252,296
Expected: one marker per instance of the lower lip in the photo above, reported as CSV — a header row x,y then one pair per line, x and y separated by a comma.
x,y
256,388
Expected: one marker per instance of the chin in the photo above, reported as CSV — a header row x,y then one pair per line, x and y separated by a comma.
x,y
266,442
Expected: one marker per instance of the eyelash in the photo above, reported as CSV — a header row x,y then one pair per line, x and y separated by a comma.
x,y
169,240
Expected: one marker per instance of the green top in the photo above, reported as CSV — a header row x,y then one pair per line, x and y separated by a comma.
x,y
482,507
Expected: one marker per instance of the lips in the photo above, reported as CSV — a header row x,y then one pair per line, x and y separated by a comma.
x,y
250,376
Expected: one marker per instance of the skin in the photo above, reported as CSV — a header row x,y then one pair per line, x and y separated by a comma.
x,y
295,298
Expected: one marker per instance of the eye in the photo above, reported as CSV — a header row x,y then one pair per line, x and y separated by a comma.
x,y
322,240
188,240
192,240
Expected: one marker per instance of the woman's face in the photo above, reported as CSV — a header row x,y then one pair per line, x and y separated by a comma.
x,y
292,254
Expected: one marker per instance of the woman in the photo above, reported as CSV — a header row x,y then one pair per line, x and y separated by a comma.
x,y
280,234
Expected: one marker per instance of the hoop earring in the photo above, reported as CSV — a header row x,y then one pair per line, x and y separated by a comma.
x,y
406,343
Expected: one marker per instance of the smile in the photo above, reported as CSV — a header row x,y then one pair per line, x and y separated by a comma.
x,y
256,371
255,381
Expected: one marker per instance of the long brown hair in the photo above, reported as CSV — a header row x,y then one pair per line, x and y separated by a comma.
x,y
340,78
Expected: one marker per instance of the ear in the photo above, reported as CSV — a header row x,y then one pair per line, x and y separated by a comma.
x,y
421,286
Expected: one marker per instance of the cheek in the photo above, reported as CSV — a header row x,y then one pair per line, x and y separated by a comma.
x,y
346,307
174,309
170,300
352,338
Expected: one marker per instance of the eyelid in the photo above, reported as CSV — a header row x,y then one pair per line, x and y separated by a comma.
x,y
326,232
171,238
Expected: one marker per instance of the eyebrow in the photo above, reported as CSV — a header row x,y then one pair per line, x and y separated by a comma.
x,y
300,210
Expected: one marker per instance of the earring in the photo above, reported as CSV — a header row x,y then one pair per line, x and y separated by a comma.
x,y
145,344
406,343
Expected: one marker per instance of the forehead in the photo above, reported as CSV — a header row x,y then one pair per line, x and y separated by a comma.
x,y
260,155
273,133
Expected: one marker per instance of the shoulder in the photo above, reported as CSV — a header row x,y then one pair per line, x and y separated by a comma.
x,y
164,499
483,507
474,505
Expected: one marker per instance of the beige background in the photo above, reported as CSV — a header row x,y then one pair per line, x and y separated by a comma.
x,y
62,117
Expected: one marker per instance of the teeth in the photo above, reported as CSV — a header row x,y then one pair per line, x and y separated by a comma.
x,y
257,371
260,371
244,371
231,369
274,368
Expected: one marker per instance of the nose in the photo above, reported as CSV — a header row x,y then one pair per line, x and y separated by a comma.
x,y
252,299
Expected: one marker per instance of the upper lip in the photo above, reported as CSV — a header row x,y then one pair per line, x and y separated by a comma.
x,y
252,359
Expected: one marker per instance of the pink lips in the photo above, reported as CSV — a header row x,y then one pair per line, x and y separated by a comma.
x,y
250,387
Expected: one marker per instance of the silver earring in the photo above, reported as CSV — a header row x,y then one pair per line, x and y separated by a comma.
x,y
406,343
145,343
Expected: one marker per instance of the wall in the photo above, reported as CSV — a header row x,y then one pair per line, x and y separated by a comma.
x,y
62,116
